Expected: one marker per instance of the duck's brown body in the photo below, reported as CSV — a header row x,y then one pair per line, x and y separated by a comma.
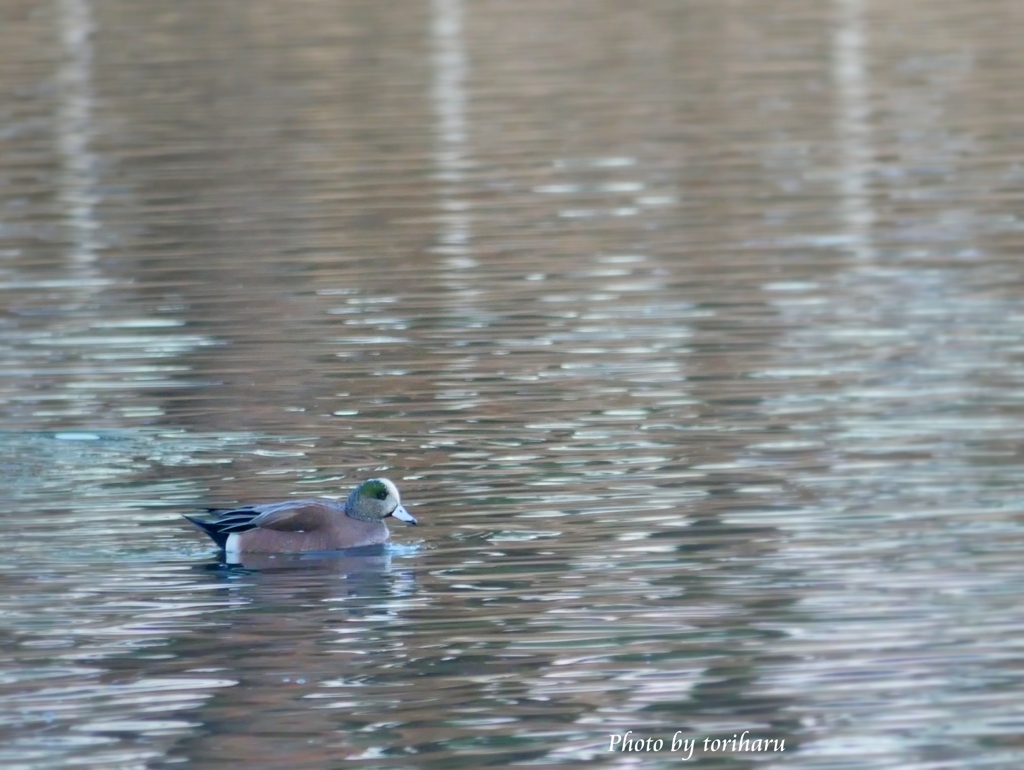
x,y
333,530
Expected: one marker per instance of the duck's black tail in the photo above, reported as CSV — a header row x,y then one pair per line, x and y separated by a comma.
x,y
215,529
226,522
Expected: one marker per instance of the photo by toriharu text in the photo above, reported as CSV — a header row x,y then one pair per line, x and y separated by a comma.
x,y
685,747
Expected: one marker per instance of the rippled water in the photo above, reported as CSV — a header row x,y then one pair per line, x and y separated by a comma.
x,y
692,333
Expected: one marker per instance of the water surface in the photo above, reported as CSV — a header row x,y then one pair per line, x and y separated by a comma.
x,y
690,331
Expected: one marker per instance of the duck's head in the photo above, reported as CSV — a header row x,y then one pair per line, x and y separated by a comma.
x,y
375,500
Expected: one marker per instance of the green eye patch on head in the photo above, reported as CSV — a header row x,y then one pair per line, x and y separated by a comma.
x,y
375,488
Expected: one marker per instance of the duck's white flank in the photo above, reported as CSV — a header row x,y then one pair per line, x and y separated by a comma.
x,y
231,546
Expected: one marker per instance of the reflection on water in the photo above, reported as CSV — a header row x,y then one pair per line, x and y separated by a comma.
x,y
691,332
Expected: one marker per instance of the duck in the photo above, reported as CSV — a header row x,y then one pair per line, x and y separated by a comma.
x,y
312,524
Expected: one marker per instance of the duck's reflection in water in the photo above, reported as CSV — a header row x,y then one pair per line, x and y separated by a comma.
x,y
301,631
371,558
314,578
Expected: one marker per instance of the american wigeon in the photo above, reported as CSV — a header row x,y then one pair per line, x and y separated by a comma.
x,y
314,524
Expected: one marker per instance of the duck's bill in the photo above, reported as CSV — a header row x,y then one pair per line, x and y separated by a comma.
x,y
403,515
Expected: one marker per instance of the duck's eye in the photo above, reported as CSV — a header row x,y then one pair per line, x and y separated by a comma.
x,y
382,494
